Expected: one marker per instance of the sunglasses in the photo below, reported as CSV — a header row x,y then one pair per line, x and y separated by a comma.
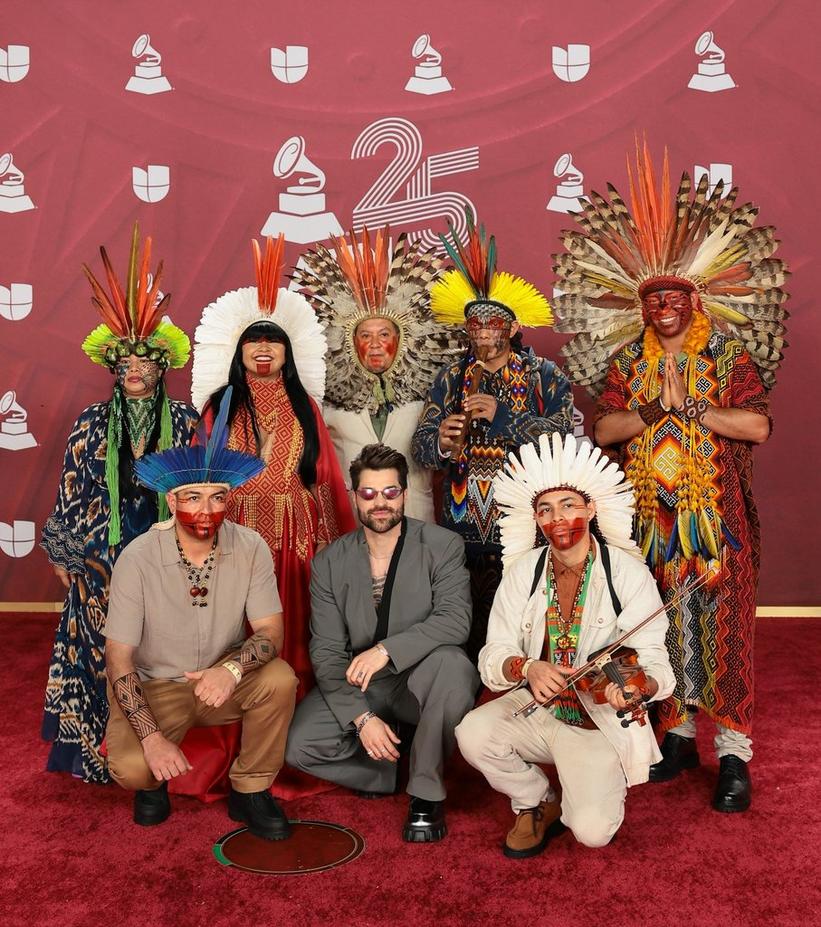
x,y
389,493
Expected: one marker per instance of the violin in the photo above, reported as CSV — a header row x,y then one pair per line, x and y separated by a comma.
x,y
601,668
623,669
478,369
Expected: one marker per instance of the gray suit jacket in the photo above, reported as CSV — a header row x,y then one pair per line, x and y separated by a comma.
x,y
430,606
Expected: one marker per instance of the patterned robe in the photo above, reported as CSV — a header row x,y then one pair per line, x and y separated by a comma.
x,y
534,398
75,537
710,637
287,515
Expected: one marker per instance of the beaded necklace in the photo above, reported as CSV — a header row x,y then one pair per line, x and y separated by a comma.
x,y
198,576
562,637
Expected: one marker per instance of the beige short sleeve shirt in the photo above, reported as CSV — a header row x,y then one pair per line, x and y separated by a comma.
x,y
150,604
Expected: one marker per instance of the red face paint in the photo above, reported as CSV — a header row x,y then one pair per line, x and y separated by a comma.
x,y
376,342
200,525
566,532
263,368
668,311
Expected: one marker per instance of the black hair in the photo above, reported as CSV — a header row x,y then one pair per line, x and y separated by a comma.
x,y
379,457
300,401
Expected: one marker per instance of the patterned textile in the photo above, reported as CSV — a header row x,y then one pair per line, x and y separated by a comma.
x,y
711,633
287,515
534,398
75,537
562,638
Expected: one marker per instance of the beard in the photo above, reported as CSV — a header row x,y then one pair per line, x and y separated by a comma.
x,y
383,522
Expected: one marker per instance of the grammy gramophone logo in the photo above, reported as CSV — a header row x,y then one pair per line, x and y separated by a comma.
x,y
14,429
302,215
570,189
148,77
711,75
13,196
427,76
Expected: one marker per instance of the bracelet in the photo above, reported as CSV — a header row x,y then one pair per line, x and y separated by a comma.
x,y
233,669
381,648
651,412
364,720
516,668
694,409
527,664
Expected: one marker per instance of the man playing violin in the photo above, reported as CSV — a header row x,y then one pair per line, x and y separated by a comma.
x,y
557,604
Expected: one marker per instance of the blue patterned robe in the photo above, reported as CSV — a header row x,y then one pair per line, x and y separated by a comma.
x,y
75,537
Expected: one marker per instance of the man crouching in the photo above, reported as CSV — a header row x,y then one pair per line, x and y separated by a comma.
x,y
555,606
176,657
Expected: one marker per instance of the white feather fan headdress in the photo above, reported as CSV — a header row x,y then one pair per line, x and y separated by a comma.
x,y
224,321
553,465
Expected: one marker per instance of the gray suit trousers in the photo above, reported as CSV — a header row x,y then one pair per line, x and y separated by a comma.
x,y
434,695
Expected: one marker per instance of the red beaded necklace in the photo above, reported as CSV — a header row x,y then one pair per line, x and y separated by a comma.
x,y
198,576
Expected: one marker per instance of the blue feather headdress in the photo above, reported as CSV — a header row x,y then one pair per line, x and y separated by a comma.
x,y
213,464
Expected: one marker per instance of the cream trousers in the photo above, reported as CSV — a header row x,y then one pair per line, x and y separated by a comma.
x,y
505,750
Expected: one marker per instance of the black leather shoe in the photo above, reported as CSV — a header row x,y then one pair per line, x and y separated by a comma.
x,y
260,812
151,807
734,789
426,821
678,753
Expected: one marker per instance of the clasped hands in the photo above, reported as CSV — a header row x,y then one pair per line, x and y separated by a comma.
x,y
214,686
547,679
673,388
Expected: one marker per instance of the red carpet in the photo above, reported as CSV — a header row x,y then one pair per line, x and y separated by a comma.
x,y
72,858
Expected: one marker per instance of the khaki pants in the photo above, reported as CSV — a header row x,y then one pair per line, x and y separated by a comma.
x,y
263,701
504,749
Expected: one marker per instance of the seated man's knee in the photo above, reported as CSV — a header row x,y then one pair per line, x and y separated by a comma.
x,y
472,734
130,771
277,678
591,827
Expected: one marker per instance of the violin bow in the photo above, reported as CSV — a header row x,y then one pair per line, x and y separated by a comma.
x,y
603,656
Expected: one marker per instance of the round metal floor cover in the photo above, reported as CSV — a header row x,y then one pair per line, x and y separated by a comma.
x,y
312,847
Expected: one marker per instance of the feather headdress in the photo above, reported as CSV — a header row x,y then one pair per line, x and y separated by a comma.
x,y
133,320
211,464
474,282
557,465
705,243
358,281
224,321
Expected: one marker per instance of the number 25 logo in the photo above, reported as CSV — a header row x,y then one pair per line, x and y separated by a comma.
x,y
383,203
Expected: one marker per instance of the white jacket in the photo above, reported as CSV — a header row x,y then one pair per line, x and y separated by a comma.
x,y
517,626
351,431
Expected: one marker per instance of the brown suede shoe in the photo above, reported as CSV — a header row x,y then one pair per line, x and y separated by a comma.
x,y
532,829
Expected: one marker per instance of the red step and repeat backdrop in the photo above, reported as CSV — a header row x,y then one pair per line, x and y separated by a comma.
x,y
212,122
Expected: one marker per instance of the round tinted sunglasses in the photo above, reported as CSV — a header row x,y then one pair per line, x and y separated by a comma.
x,y
369,494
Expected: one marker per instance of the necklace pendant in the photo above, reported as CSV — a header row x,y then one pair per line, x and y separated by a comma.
x,y
203,592
564,642
194,591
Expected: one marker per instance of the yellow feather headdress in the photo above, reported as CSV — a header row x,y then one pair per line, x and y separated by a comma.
x,y
474,281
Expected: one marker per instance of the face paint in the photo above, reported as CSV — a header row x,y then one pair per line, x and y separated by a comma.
x,y
668,311
137,377
563,516
200,525
376,342
565,533
263,356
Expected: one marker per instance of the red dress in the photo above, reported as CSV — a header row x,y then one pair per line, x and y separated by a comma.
x,y
293,521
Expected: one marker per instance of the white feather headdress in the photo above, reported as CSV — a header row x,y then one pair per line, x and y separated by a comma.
x,y
224,321
553,465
